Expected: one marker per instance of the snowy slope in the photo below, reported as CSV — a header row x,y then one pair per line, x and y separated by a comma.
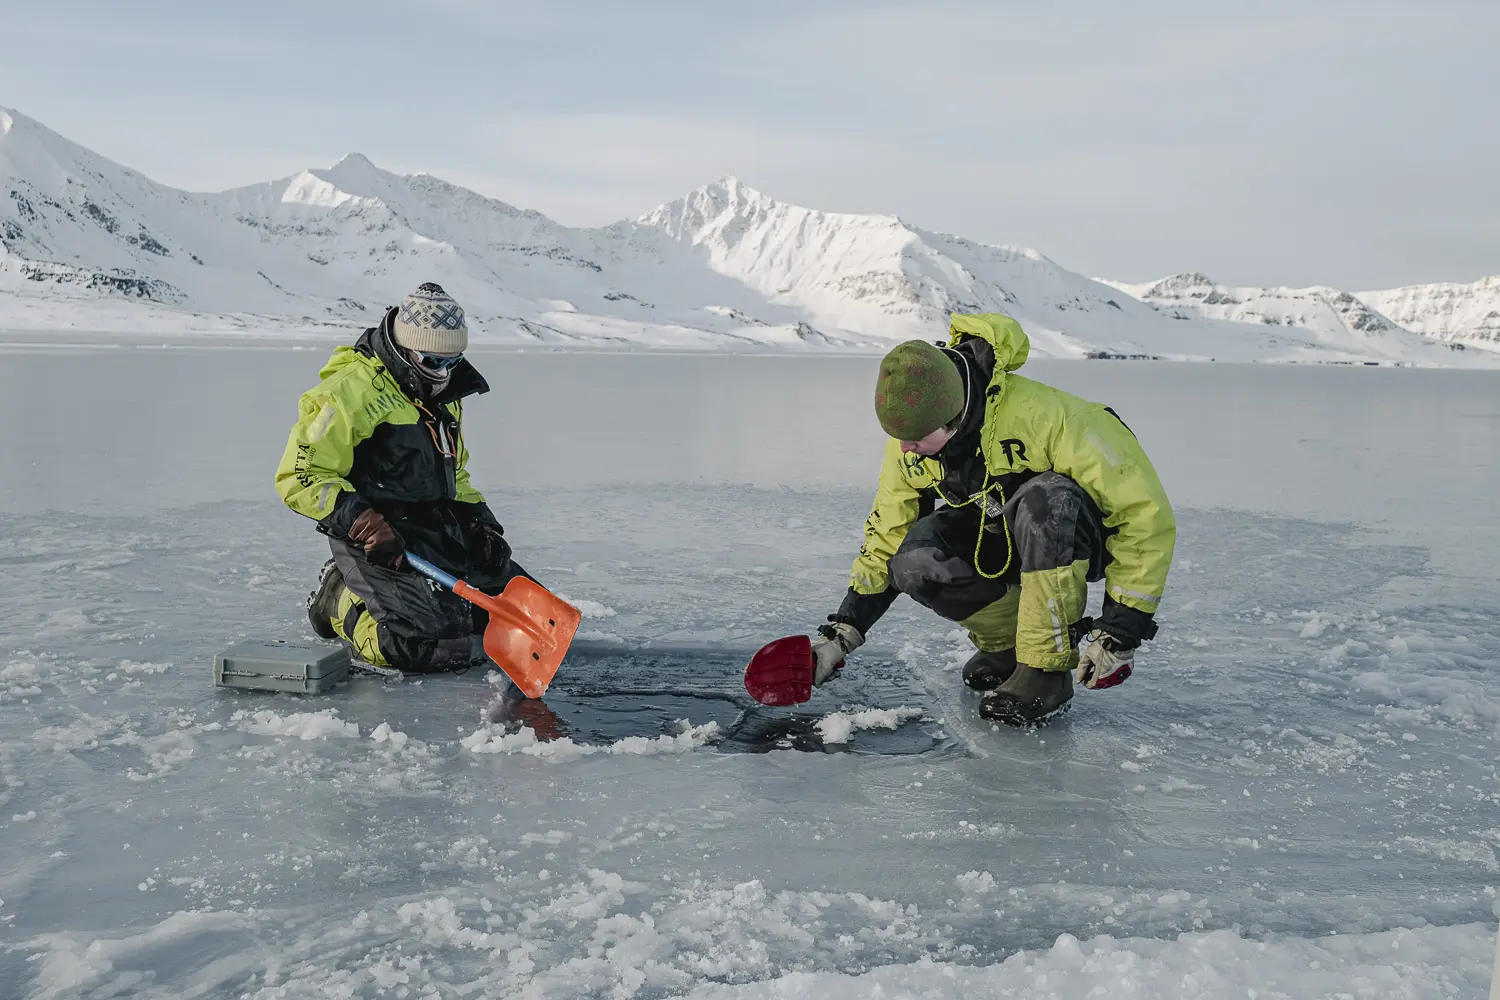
x,y
88,244
874,272
1333,318
81,234
878,273
1445,311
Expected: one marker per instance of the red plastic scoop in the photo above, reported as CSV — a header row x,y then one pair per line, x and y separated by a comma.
x,y
781,672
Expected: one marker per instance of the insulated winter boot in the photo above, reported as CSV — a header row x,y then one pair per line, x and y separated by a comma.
x,y
987,671
1029,697
323,603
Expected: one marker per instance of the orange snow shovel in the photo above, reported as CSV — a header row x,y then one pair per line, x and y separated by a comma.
x,y
530,627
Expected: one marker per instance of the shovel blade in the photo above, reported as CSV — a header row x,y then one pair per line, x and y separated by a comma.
x,y
529,633
781,672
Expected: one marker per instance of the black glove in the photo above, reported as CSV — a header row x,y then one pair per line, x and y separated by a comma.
x,y
1126,626
485,534
864,610
381,543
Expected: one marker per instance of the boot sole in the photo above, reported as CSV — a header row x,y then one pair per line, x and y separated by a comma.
x,y
1015,716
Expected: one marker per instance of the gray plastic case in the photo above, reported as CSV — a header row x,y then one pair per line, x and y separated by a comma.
x,y
277,665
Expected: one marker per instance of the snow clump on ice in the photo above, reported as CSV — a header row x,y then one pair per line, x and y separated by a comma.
x,y
840,726
487,740
298,725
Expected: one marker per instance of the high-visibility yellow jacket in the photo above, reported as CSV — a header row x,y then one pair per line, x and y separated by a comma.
x,y
368,436
1029,428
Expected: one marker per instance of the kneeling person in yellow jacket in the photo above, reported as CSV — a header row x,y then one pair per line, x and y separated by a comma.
x,y
1000,499
377,458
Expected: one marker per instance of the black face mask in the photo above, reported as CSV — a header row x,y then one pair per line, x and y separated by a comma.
x,y
400,367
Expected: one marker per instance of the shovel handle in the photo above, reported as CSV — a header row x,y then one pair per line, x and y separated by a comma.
x,y
430,571
479,597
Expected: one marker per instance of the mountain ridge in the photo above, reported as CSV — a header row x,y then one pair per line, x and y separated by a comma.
x,y
725,266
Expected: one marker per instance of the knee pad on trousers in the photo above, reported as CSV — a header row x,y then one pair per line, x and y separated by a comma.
x,y
943,583
384,646
1051,601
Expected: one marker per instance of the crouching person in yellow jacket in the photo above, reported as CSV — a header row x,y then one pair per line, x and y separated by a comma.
x,y
377,458
1000,499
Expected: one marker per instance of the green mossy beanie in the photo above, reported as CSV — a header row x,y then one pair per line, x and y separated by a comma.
x,y
918,390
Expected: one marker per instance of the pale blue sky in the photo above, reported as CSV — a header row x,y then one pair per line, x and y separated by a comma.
x,y
1352,144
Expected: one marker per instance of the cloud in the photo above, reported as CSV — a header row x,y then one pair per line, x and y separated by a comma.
x,y
593,168
1276,142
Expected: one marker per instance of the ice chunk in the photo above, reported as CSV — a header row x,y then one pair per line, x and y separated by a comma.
x,y
839,727
298,725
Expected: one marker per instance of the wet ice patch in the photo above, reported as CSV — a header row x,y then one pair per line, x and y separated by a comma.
x,y
298,725
86,733
70,964
840,727
1416,676
65,620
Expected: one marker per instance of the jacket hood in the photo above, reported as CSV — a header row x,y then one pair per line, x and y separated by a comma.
x,y
341,358
975,360
1002,333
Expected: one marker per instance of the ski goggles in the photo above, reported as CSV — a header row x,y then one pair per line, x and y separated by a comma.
x,y
437,362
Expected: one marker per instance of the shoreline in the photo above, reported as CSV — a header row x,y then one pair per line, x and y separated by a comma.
x,y
83,340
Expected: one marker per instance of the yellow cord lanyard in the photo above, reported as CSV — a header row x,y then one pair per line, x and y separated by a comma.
x,y
984,511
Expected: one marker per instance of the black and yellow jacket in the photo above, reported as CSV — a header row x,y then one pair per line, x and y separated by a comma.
x,y
1027,428
373,434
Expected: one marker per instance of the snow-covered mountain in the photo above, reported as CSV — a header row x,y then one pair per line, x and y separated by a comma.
x,y
879,275
1445,311
1335,318
88,244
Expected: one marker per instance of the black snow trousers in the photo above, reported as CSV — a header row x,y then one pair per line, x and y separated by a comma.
x,y
419,626
1051,523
